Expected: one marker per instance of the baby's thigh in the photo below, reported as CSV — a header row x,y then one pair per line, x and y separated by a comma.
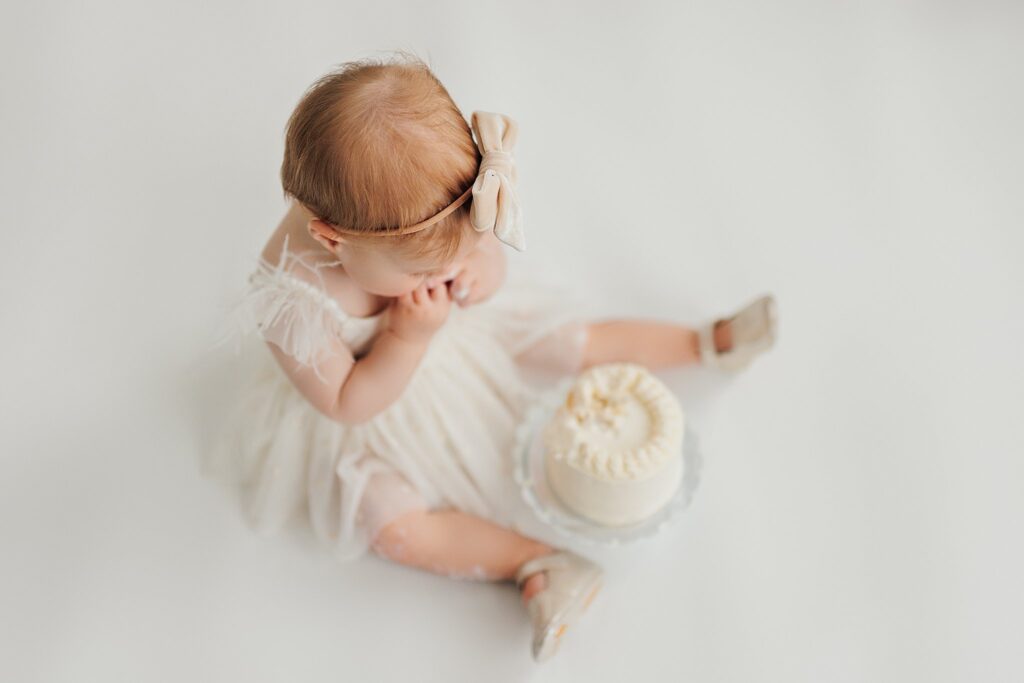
x,y
388,495
561,351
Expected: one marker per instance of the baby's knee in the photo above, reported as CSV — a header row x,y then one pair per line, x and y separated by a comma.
x,y
397,539
388,510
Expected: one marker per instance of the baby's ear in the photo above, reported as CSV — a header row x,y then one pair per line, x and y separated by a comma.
x,y
323,233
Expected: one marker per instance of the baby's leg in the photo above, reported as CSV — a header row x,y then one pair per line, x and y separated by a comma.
x,y
576,346
655,344
402,528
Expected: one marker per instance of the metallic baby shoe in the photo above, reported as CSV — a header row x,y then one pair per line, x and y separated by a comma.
x,y
753,332
572,583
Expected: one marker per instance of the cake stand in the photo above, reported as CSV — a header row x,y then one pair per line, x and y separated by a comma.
x,y
532,480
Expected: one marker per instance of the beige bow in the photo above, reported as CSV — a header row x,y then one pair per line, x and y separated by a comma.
x,y
495,202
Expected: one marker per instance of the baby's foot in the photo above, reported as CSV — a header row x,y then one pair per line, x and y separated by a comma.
x,y
731,343
723,335
570,583
533,585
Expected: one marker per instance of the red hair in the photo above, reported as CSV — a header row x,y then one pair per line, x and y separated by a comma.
x,y
378,144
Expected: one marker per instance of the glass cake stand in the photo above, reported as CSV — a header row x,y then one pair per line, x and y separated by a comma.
x,y
532,480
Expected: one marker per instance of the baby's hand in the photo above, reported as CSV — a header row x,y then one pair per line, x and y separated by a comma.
x,y
417,315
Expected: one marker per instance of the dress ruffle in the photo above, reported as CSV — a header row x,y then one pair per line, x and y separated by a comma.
x,y
295,315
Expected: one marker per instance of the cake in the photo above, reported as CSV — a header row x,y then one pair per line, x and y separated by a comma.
x,y
613,448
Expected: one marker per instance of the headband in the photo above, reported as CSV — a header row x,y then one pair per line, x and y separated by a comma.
x,y
495,202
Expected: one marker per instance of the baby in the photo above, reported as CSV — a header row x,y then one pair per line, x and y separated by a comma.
x,y
386,407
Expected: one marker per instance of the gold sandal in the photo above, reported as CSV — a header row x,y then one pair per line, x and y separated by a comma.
x,y
572,583
753,332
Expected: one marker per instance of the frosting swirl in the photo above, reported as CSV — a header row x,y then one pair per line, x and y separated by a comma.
x,y
618,421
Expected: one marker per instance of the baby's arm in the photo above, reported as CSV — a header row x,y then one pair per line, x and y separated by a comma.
x,y
355,390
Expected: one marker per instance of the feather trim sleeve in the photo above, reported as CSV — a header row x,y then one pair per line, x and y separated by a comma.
x,y
298,317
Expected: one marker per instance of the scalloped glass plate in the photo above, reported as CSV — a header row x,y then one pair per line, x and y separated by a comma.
x,y
533,485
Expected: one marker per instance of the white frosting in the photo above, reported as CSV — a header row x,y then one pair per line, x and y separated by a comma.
x,y
614,447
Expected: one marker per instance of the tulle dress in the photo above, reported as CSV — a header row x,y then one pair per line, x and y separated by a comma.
x,y
447,441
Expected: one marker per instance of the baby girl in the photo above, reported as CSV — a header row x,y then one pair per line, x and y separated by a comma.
x,y
385,408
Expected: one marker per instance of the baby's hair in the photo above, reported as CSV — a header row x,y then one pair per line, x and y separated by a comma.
x,y
376,144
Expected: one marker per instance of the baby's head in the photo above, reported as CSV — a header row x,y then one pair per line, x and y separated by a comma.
x,y
374,145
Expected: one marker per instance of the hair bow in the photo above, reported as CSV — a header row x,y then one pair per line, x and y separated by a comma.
x,y
495,202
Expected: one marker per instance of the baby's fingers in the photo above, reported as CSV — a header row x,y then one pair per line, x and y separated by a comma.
x,y
419,294
439,293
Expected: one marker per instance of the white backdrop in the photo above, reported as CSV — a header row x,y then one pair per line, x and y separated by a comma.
x,y
860,513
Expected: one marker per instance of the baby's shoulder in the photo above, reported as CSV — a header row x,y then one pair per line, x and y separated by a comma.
x,y
283,264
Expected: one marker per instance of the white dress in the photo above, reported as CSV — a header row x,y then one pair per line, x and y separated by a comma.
x,y
447,441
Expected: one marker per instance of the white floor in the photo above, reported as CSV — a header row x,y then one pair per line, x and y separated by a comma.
x,y
859,517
